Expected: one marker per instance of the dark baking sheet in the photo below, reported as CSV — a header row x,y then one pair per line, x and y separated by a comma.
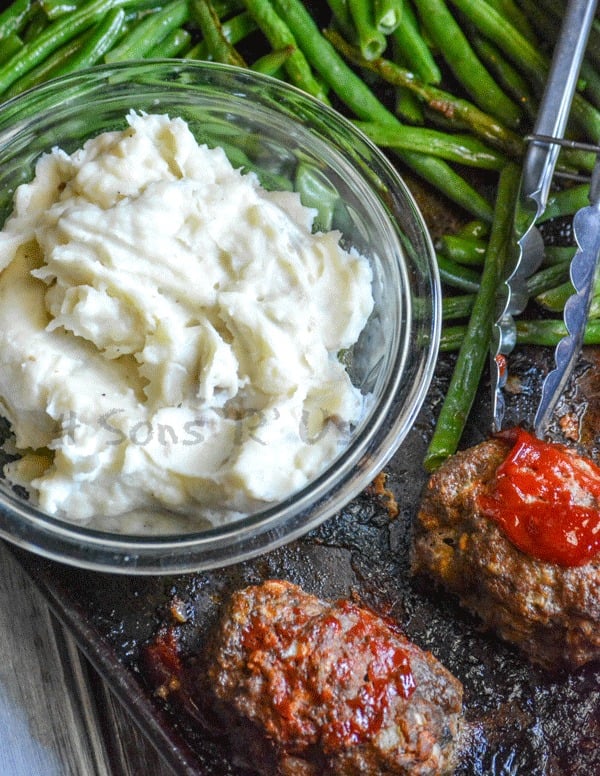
x,y
520,721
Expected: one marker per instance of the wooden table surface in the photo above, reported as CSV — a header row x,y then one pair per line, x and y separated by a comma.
x,y
56,716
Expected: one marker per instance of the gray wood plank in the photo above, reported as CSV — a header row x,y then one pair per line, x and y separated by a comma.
x,y
44,730
129,752
57,717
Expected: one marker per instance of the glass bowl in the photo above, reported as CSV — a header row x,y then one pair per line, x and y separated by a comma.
x,y
274,128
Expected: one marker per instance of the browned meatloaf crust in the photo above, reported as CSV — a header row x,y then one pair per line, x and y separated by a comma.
x,y
301,687
551,612
333,688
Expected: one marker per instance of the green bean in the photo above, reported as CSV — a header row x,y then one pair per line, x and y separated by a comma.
x,y
463,249
592,82
219,47
234,30
13,17
46,68
35,26
134,16
594,43
548,278
442,177
174,44
318,193
464,63
457,275
52,38
271,62
594,311
227,7
408,107
549,332
460,251
100,40
574,159
341,11
473,352
583,113
238,27
271,181
449,122
462,149
475,228
545,25
356,95
508,76
556,9
457,306
149,31
341,17
500,31
415,52
556,254
349,87
371,41
279,36
566,202
586,116
55,8
515,16
198,51
387,15
451,339
545,333
480,123
553,299
10,46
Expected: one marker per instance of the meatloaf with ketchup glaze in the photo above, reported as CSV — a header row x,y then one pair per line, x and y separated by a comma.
x,y
539,586
309,687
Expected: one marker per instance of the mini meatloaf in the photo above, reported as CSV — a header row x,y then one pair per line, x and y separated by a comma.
x,y
333,688
549,610
302,687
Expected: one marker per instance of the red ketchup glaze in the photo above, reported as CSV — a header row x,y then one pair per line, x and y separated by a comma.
x,y
162,655
545,499
312,667
501,364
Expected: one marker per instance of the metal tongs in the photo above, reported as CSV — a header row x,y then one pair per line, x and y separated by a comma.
x,y
528,251
586,230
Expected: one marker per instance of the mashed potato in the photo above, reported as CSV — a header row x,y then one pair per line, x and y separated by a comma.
x,y
169,331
